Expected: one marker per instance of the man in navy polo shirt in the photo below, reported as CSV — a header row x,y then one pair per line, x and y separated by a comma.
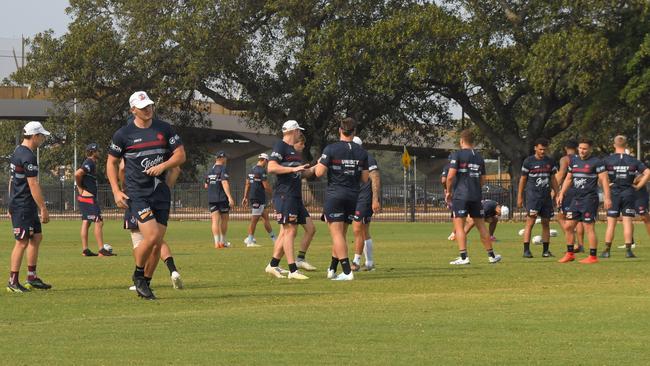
x,y
367,204
537,180
219,199
149,147
255,189
86,179
286,163
585,172
622,170
571,150
346,166
25,200
464,180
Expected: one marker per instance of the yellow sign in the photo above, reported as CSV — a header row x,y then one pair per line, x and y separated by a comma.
x,y
406,159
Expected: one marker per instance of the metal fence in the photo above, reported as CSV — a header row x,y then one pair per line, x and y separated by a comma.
x,y
421,202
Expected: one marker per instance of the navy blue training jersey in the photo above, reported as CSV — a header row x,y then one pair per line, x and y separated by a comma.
x,y
539,173
469,167
216,175
622,169
365,192
287,184
256,179
22,164
585,175
89,181
344,161
489,207
143,148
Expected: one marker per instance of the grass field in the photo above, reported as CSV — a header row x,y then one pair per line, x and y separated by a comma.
x,y
414,309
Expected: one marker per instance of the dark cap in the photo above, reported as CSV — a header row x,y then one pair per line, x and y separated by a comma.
x,y
92,146
220,154
571,144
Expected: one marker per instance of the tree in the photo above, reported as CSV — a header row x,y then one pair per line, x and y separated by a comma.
x,y
276,60
520,70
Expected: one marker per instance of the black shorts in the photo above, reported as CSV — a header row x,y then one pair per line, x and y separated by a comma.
x,y
583,209
89,209
150,209
363,212
641,199
462,208
25,222
290,210
566,201
539,207
337,209
221,207
130,220
622,204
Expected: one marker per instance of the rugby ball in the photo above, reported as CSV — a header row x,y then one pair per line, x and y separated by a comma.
x,y
108,247
521,232
553,232
537,239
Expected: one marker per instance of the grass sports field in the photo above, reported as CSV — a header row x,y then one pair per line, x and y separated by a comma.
x,y
414,309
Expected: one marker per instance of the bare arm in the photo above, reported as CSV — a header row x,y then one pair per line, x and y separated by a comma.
x,y
520,190
247,186
451,176
375,184
112,173
177,158
565,187
320,170
642,180
226,189
172,176
562,171
604,182
78,178
275,168
37,194
267,187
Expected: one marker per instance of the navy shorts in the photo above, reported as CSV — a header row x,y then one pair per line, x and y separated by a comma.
x,y
583,209
363,212
338,209
221,207
155,207
130,220
539,207
641,199
566,201
622,204
25,222
290,210
89,209
463,208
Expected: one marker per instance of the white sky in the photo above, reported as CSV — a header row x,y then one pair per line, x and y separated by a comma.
x,y
27,18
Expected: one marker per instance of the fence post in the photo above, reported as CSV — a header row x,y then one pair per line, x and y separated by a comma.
x,y
412,189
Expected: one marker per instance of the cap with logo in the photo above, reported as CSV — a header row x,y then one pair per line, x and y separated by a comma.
x,y
263,156
220,154
92,146
34,128
139,100
291,125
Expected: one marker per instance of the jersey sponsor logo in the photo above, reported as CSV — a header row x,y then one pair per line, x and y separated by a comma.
x,y
147,163
275,154
580,183
31,167
541,182
115,147
160,136
173,139
137,140
144,213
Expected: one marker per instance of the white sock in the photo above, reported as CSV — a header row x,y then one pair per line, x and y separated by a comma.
x,y
250,237
357,259
217,239
368,251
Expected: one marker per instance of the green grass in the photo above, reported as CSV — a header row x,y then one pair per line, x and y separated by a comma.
x,y
415,309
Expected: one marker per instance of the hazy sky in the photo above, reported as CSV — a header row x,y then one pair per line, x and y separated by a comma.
x,y
26,18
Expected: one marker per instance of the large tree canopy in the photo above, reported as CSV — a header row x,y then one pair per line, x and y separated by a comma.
x,y
519,70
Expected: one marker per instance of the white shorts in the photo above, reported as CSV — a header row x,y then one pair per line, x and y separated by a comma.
x,y
259,210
